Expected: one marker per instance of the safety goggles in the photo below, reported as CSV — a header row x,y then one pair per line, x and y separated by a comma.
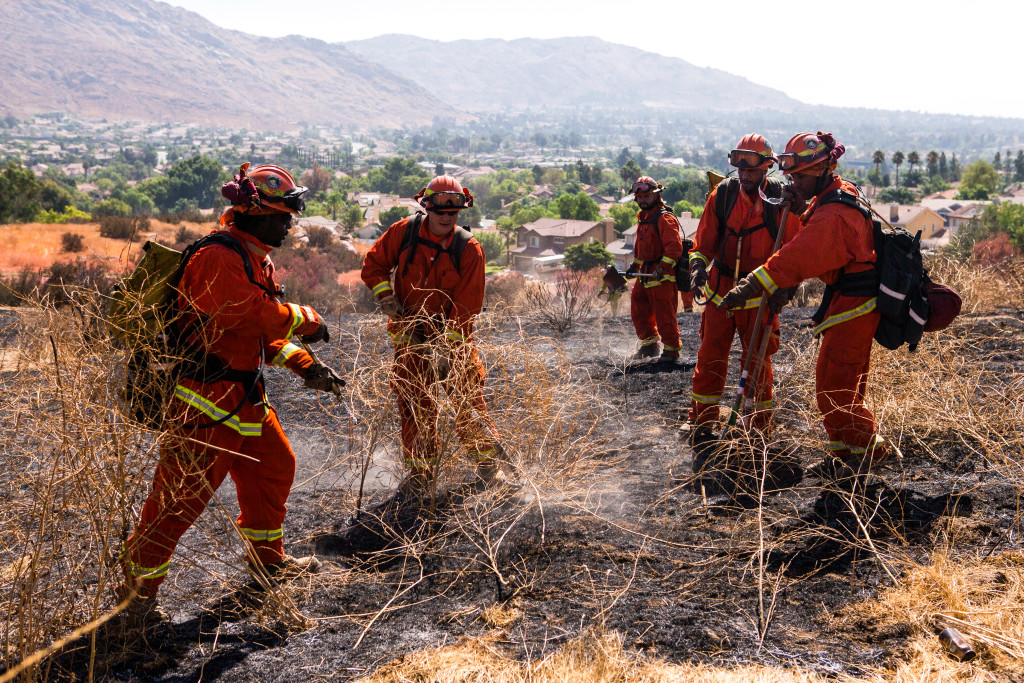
x,y
643,186
292,199
789,161
744,158
447,201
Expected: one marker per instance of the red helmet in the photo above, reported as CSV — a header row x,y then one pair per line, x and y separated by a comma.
x,y
265,189
646,183
753,151
444,194
804,151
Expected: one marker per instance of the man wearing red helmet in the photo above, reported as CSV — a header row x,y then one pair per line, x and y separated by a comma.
x,y
724,252
219,421
835,245
428,277
654,301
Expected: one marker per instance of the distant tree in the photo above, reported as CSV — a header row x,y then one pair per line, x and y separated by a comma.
x,y
391,216
979,181
317,179
397,174
112,207
897,161
540,140
954,169
899,195
933,163
538,174
577,207
352,217
20,194
622,157
583,171
1018,166
943,169
587,256
492,243
913,159
682,206
624,216
878,158
629,172
439,168
54,197
997,162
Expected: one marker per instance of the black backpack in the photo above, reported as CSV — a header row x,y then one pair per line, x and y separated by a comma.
x,y
725,201
898,280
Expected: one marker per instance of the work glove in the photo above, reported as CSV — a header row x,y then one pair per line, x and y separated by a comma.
x,y
632,270
321,333
778,300
698,276
797,205
322,378
391,307
658,272
737,297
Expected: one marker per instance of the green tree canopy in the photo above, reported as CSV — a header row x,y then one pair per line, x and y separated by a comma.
x,y
398,175
20,194
492,243
979,181
352,217
391,216
624,216
587,256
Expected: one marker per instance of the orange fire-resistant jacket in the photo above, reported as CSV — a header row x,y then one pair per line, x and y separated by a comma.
x,y
237,321
834,237
431,286
754,250
657,241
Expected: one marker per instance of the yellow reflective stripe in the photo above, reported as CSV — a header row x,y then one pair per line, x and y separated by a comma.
x,y
286,352
636,260
400,338
843,317
716,299
697,256
414,462
650,341
671,348
763,405
263,534
708,399
765,279
382,287
210,409
298,319
454,335
483,455
146,572
856,450
670,261
836,446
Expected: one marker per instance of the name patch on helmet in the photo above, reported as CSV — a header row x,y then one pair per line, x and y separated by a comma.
x,y
273,182
811,143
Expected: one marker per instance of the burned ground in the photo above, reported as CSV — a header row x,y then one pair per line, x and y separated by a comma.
x,y
613,531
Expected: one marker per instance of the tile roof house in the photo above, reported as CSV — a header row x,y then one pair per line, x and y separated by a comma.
x,y
548,237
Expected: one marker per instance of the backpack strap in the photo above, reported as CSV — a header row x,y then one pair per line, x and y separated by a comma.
x,y
725,202
410,241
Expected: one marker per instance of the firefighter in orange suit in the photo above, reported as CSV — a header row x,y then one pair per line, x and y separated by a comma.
x,y
721,255
219,421
836,245
655,299
428,277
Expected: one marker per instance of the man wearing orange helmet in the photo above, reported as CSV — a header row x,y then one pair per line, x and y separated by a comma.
x,y
835,245
231,322
654,301
736,234
428,276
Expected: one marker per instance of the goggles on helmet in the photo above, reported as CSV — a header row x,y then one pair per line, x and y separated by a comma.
x,y
789,160
293,199
643,186
446,200
744,158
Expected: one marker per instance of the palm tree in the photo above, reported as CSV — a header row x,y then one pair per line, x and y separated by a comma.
x,y
897,160
914,159
878,158
933,163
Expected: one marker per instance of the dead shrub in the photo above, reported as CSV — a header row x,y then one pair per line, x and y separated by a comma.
x,y
319,237
506,291
565,303
71,242
122,227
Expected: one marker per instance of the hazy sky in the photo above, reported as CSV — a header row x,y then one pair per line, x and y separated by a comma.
x,y
935,56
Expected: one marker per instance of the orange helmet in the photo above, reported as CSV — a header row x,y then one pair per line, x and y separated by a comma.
x,y
753,151
444,194
805,150
265,189
646,183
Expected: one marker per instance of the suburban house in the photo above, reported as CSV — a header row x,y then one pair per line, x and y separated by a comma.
x,y
914,218
544,241
965,215
622,249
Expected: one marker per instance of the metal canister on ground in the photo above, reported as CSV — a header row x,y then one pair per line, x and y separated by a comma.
x,y
957,645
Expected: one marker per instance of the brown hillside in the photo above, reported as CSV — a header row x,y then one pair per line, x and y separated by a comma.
x,y
138,59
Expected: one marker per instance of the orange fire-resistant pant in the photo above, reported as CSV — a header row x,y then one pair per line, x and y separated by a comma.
x,y
717,330
653,310
840,385
193,464
413,381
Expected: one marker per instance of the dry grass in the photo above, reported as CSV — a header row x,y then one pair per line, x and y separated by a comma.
x,y
595,657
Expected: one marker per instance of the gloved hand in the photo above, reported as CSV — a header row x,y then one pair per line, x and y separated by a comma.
x,y
391,307
797,205
319,334
698,276
322,378
778,300
632,270
658,272
747,288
